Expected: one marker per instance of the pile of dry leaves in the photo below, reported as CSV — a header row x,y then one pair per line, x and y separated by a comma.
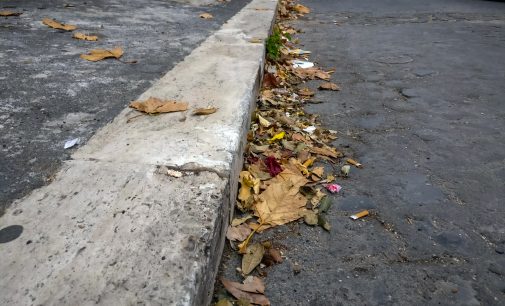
x,y
281,181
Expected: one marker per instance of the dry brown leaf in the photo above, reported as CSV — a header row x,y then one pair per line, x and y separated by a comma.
x,y
354,163
306,92
256,40
238,221
252,257
206,16
281,202
317,198
248,182
319,171
326,151
264,122
301,9
238,233
155,105
204,111
100,54
57,25
329,86
272,256
83,36
8,13
233,289
311,73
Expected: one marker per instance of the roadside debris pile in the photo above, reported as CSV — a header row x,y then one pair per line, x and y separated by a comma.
x,y
281,179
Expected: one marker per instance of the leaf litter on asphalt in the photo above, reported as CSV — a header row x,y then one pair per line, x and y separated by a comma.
x,y
8,13
96,55
58,25
283,177
82,36
155,106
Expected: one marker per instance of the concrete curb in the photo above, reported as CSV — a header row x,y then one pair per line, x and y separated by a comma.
x,y
112,228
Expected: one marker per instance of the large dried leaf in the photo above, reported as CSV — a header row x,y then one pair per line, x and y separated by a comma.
x,y
83,36
100,54
252,257
326,151
8,13
155,105
311,73
57,25
234,289
281,202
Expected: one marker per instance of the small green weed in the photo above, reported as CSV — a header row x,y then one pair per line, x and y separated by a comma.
x,y
274,44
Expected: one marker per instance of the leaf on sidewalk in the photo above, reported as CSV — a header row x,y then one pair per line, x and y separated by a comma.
x,y
301,9
8,13
57,25
306,92
252,257
204,111
206,16
100,54
83,36
155,105
238,233
237,290
329,86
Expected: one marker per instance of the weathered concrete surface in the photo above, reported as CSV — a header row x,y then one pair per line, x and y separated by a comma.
x,y
111,229
422,107
49,95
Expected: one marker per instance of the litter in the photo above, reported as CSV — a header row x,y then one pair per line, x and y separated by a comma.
x,y
298,51
333,188
345,170
310,129
71,143
359,215
302,64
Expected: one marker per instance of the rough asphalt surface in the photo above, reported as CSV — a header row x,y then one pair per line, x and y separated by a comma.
x,y
422,108
49,95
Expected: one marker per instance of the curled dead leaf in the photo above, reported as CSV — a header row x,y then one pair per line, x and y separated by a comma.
x,y
247,291
155,105
329,86
57,25
204,111
8,13
100,54
252,257
83,36
301,9
306,92
238,233
206,16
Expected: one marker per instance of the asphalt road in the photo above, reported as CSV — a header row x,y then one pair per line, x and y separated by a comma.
x,y
422,107
49,95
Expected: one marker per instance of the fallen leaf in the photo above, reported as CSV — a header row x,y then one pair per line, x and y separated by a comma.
x,y
100,54
8,13
312,73
326,151
329,86
57,25
273,166
317,198
83,36
272,256
234,289
259,149
238,233
324,205
269,80
257,172
354,163
301,9
155,105
281,202
323,222
248,182
224,302
319,171
252,257
310,218
264,122
206,16
238,221
306,92
278,136
204,111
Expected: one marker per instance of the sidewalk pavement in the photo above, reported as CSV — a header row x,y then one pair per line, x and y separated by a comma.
x,y
112,227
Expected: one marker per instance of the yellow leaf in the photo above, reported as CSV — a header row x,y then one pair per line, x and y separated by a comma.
x,y
329,86
100,54
206,16
204,111
155,105
281,202
57,25
248,182
302,9
278,136
9,13
309,162
83,36
264,122
354,163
